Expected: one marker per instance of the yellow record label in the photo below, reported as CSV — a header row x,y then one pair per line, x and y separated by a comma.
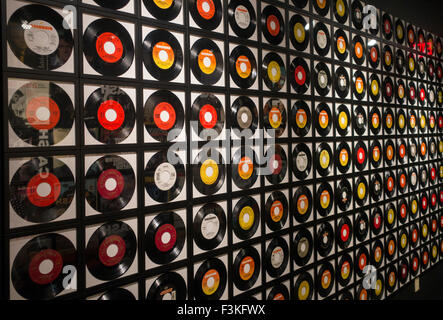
x,y
401,121
274,72
361,190
299,32
345,270
375,120
424,231
391,216
343,120
210,282
246,218
414,207
301,118
391,279
325,199
378,287
164,4
411,64
275,118
209,172
400,32
374,87
422,121
403,240
324,159
389,121
163,55
303,290
340,7
341,44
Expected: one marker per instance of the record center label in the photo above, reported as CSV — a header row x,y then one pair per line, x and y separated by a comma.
x,y
242,17
246,218
300,75
43,113
165,238
276,211
301,118
109,47
110,184
112,250
210,282
247,268
42,38
165,176
164,116
208,116
243,67
207,61
277,257
43,189
273,25
163,55
45,266
163,4
210,226
209,172
206,9
111,115
274,72
245,168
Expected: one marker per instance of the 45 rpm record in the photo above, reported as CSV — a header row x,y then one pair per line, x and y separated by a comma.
x,y
361,260
111,250
165,10
246,218
42,189
390,183
341,82
164,116
162,55
391,278
246,268
343,195
341,49
302,247
376,187
360,120
411,64
208,171
387,26
403,211
31,277
299,75
273,25
276,210
243,67
324,159
399,61
399,31
242,18
377,253
376,154
415,263
374,83
207,14
403,270
324,241
322,41
391,247
321,6
168,286
38,38
361,190
390,216
112,4
421,70
344,234
244,168
273,71
387,58
376,221
209,226
401,89
344,270
165,237
41,113
361,226
277,257
402,180
359,50
277,164
275,117
373,55
325,280
109,115
210,280
278,292
341,11
244,115
323,121
324,199
389,122
108,47
302,204
109,184
117,294
359,85
299,32
206,61
360,155
322,78
300,3
304,287
301,161
209,115
401,121
357,14
300,118
164,176
343,157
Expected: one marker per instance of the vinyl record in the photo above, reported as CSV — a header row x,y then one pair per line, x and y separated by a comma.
x,y
414,234
325,279
300,3
324,120
275,117
360,120
391,278
246,268
299,32
164,116
400,92
165,237
166,10
111,250
244,168
411,35
112,4
29,274
273,71
403,211
168,286
422,95
304,287
210,280
109,184
244,115
321,7
117,294
344,233
391,247
324,199
343,157
207,14
399,31
300,118
162,55
399,61
358,53
109,115
377,253
421,67
360,155
415,263
206,61
164,180
344,270
242,18
277,257
401,121
322,41
246,218
403,270
324,241
388,89
387,26
302,204
276,210
361,190
208,171
361,293
389,123
299,75
341,49
361,260
276,164
301,161
108,47
343,195
278,291
243,67
322,79
411,64
376,154
359,85
390,183
324,159
341,82
376,221
357,14
45,44
208,116
361,226
209,226
341,11
373,55
41,113
402,181
342,120
302,247
376,188
374,83
273,25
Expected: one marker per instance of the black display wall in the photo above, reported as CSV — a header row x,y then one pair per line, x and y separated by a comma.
x,y
90,107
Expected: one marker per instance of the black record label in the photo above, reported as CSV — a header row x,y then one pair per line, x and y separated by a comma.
x,y
276,210
322,41
41,113
109,115
242,18
168,286
117,294
304,287
109,184
206,61
273,71
324,159
341,82
108,47
273,25
341,49
244,168
246,268
209,171
325,281
322,78
302,247
165,237
164,180
324,199
301,161
302,204
343,195
341,10
243,67
166,10
207,14
323,121
38,38
111,250
277,164
359,85
246,217
359,50
244,115
210,280
300,118
324,239
209,226
299,75
299,32
376,187
208,116
277,257
343,157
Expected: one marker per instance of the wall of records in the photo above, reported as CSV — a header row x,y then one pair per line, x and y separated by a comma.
x,y
97,92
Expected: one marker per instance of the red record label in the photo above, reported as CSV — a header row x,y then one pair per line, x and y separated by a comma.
x,y
273,25
403,211
434,225
387,27
43,198
374,54
56,262
105,253
390,184
441,196
424,203
433,199
414,235
42,113
165,237
208,116
388,89
111,115
402,151
412,93
422,94
362,259
206,9
377,221
403,181
361,155
110,184
415,264
440,122
300,75
275,164
109,47
164,116
433,173
344,233
441,221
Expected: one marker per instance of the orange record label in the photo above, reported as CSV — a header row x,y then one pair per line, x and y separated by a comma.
x,y
273,25
325,199
302,204
206,9
210,282
207,61
341,44
376,153
326,279
163,55
323,119
275,118
301,118
109,47
243,67
358,50
359,85
276,211
245,168
246,269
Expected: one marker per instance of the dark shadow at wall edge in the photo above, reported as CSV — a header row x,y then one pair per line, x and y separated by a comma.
x,y
424,13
